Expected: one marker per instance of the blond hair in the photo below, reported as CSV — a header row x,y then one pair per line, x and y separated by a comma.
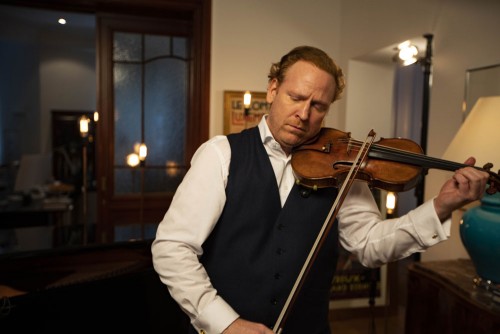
x,y
311,55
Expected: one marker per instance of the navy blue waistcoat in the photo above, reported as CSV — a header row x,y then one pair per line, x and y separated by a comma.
x,y
257,249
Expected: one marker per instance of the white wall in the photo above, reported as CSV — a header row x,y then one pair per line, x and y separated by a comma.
x,y
248,36
369,104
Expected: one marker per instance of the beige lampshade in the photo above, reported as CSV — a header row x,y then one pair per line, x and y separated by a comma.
x,y
479,135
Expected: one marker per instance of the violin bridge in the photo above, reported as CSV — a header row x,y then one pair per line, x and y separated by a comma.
x,y
348,147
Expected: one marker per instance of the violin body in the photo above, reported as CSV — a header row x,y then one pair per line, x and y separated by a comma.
x,y
393,164
325,162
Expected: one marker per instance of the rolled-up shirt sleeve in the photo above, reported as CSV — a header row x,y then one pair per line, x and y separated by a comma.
x,y
191,217
376,241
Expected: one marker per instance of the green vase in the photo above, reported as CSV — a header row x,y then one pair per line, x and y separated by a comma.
x,y
480,234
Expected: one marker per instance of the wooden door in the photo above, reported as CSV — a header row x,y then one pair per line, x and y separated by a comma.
x,y
152,79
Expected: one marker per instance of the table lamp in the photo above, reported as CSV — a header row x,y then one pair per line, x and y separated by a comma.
x,y
479,136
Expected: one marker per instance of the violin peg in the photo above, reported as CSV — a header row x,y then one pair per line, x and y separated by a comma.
x,y
492,189
488,166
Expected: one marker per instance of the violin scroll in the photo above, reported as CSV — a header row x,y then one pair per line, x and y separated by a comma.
x,y
494,181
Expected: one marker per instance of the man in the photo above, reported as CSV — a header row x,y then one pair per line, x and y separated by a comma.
x,y
239,229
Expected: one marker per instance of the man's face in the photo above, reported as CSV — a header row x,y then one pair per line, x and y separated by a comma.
x,y
299,104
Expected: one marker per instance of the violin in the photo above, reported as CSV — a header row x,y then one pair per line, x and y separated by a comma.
x,y
392,164
334,159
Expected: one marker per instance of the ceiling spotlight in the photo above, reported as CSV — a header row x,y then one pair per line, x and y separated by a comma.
x,y
61,21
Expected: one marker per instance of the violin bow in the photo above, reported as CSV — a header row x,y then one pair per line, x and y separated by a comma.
x,y
344,189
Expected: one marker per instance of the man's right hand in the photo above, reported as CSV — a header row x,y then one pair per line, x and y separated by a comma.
x,y
241,326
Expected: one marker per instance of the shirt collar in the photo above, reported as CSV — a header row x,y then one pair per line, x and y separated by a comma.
x,y
267,137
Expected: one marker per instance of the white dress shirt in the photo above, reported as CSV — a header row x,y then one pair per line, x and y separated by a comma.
x,y
199,201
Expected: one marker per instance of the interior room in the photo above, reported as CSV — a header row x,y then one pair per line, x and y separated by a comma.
x,y
93,146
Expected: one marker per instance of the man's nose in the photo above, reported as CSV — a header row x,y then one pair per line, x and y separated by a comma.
x,y
304,111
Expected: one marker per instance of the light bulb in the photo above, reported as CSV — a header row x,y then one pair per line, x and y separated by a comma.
x,y
133,160
407,51
247,99
390,202
143,151
84,126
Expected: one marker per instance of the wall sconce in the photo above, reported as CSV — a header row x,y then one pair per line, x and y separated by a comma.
x,y
96,116
480,226
390,202
84,126
139,155
247,100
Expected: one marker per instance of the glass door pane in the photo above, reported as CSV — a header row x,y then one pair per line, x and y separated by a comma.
x,y
151,75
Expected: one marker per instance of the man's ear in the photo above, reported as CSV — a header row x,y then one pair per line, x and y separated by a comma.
x,y
272,88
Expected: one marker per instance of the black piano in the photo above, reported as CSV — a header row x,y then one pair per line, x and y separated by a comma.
x,y
85,290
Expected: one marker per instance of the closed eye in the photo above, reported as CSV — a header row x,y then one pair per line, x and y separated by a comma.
x,y
295,98
320,106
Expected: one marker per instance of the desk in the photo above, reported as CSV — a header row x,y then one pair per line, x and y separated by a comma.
x,y
443,299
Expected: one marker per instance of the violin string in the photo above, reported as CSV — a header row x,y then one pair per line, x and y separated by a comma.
x,y
357,143
412,156
431,162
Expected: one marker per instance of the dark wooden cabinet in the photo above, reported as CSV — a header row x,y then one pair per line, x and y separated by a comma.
x,y
442,299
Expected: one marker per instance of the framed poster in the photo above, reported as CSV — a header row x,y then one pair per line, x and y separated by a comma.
x,y
354,285
235,118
